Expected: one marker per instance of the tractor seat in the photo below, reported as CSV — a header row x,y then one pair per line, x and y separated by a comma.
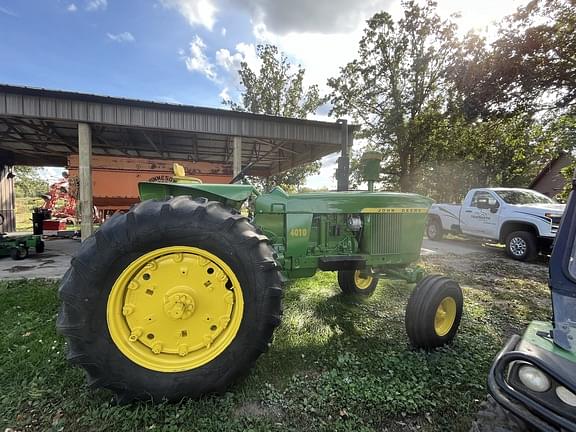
x,y
181,177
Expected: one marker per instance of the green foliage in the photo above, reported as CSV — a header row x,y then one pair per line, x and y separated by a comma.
x,y
278,89
568,173
335,365
28,182
530,66
492,152
397,87
449,114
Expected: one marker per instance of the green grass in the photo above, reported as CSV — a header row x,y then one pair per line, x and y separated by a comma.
x,y
24,208
335,364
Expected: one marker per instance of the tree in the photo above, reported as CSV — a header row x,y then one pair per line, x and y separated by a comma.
x,y
28,182
398,87
506,151
530,67
278,89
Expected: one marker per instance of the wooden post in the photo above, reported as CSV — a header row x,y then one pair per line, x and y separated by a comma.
x,y
85,176
344,159
237,156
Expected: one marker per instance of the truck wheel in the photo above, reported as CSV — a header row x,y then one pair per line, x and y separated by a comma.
x,y
19,253
492,417
522,246
172,299
434,229
434,311
353,283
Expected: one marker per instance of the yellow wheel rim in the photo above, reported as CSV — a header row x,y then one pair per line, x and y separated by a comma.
x,y
445,316
362,282
175,309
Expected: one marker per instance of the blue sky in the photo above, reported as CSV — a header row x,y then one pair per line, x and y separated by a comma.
x,y
188,51
129,48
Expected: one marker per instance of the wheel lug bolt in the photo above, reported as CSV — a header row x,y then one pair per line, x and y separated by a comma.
x,y
157,348
127,310
135,334
183,350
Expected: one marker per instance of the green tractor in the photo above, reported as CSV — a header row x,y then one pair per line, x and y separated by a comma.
x,y
180,296
532,382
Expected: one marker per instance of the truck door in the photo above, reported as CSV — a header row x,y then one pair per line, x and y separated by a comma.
x,y
479,216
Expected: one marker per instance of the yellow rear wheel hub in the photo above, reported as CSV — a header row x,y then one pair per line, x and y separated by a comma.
x,y
175,309
362,281
445,316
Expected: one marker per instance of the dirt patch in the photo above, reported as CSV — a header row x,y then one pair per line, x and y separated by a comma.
x,y
252,409
487,268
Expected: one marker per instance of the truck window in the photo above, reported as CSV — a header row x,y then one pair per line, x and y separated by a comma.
x,y
524,197
483,196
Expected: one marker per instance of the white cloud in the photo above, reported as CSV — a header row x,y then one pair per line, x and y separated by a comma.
x,y
244,53
223,31
121,37
197,61
196,12
94,5
306,16
8,12
72,7
320,54
224,94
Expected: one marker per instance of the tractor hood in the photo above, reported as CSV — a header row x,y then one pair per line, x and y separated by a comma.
x,y
233,194
279,201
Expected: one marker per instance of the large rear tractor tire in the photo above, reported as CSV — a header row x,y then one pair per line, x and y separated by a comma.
x,y
494,418
434,311
356,283
173,299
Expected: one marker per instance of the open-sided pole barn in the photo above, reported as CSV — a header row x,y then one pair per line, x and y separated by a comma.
x,y
40,127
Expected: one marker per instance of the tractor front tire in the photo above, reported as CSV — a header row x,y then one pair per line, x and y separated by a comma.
x,y
492,417
173,299
354,283
434,311
40,247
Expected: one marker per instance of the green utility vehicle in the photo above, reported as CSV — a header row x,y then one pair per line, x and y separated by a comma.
x,y
18,246
532,381
180,296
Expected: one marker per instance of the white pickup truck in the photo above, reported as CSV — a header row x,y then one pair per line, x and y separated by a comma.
x,y
524,220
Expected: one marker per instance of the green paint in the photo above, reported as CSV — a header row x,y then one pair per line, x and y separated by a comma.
x,y
232,195
531,336
303,228
7,243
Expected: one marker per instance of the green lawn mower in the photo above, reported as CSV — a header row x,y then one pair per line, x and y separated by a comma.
x,y
532,382
179,296
18,246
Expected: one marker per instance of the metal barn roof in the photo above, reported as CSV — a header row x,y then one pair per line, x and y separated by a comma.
x,y
39,127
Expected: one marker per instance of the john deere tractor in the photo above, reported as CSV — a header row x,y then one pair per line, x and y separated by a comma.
x,y
180,296
532,381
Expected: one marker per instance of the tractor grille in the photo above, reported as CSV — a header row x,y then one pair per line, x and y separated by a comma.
x,y
386,233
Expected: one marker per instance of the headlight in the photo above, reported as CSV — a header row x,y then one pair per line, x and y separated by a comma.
x,y
534,379
566,396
